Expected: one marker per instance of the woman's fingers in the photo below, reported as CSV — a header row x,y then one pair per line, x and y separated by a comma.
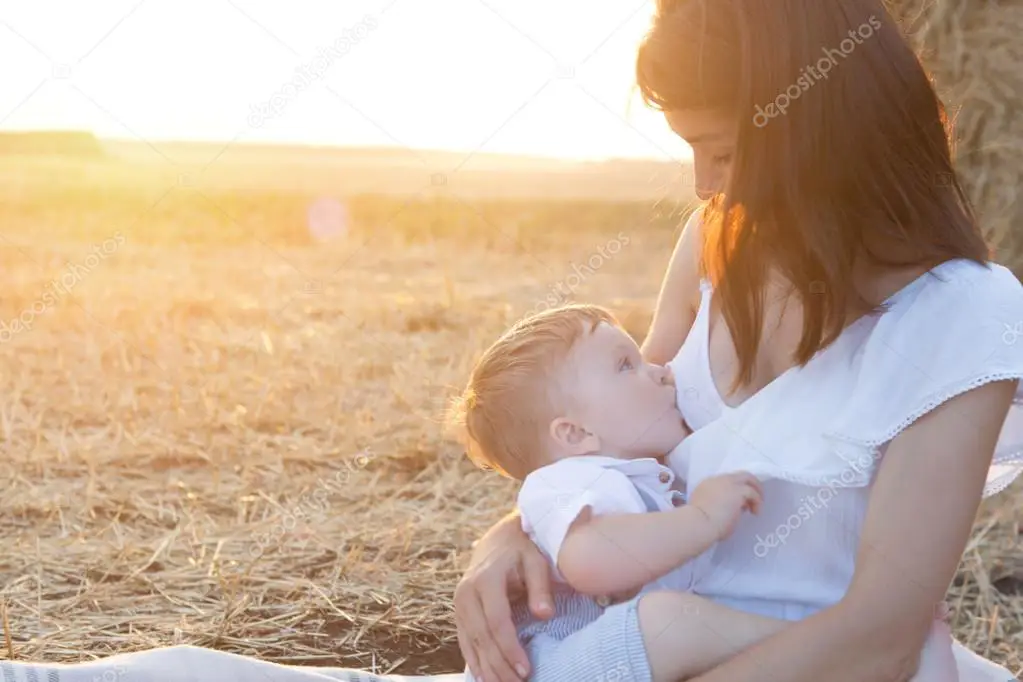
x,y
490,664
468,617
537,576
469,654
499,644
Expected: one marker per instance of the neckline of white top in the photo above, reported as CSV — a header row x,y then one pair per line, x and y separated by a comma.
x,y
703,322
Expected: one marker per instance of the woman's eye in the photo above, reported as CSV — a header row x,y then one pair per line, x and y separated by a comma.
x,y
722,158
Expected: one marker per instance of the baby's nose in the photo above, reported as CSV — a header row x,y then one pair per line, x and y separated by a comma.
x,y
668,377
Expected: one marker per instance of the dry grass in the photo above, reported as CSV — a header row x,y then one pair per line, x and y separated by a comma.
x,y
236,443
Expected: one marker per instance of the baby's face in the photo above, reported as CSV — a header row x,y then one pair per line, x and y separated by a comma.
x,y
629,404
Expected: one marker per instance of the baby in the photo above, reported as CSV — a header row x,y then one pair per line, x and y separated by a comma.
x,y
564,402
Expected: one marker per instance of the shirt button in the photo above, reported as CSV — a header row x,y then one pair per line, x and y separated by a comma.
x,y
665,477
603,601
678,500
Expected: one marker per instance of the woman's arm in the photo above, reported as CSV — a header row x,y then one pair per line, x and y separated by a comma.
x,y
931,478
678,299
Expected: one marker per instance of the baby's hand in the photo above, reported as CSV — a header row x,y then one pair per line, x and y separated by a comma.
x,y
723,498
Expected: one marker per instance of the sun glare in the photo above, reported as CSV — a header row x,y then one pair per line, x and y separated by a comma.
x,y
523,77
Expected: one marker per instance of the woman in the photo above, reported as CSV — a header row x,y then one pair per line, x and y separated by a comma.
x,y
823,150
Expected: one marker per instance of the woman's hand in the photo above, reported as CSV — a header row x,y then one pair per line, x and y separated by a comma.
x,y
505,564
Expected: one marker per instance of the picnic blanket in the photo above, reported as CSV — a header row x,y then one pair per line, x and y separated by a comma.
x,y
196,664
191,664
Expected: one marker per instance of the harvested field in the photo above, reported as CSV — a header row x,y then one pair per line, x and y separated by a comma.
x,y
218,433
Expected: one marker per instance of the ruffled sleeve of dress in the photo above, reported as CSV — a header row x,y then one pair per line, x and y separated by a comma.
x,y
827,423
949,335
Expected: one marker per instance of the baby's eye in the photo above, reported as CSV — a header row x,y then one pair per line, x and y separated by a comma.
x,y
625,364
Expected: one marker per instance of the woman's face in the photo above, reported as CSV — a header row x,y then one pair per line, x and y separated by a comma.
x,y
712,137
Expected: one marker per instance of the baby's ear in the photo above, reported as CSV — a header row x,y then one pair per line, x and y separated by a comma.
x,y
571,438
562,431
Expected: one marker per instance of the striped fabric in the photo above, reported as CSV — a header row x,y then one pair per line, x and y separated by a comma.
x,y
587,639
608,648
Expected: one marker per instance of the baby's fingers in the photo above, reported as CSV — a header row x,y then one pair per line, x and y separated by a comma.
x,y
753,499
750,480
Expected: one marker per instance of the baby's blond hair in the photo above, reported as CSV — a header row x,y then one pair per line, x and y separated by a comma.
x,y
507,404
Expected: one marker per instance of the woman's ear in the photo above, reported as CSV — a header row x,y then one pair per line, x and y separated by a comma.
x,y
571,438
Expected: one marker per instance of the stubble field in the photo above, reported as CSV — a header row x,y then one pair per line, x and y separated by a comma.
x,y
217,432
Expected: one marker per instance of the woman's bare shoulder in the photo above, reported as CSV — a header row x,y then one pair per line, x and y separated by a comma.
x,y
690,251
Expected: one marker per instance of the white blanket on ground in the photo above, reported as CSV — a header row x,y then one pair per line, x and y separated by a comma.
x,y
191,664
195,664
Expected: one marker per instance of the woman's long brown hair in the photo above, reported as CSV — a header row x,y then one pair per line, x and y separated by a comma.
x,y
858,166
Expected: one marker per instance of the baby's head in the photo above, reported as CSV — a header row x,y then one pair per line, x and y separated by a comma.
x,y
563,383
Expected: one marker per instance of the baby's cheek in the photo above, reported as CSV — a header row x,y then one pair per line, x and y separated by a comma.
x,y
617,425
634,427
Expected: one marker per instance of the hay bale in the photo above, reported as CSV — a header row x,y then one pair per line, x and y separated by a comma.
x,y
972,50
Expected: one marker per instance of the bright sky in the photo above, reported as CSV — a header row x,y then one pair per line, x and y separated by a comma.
x,y
549,77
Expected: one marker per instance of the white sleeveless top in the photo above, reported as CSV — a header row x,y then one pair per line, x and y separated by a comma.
x,y
815,434
698,397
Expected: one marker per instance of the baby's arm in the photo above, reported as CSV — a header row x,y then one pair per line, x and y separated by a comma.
x,y
621,553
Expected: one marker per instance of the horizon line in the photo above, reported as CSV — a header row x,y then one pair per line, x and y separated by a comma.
x,y
286,143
